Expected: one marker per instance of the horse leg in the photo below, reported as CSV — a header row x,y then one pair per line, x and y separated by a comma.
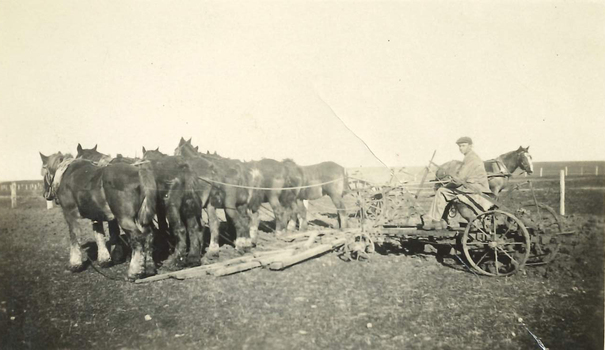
x,y
194,228
254,222
103,257
213,247
148,234
178,229
138,241
238,218
302,215
278,212
120,249
76,261
162,240
341,209
290,216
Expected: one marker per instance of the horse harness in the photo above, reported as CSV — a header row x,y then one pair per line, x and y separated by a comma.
x,y
54,180
497,168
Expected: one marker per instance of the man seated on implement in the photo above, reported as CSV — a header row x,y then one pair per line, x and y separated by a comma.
x,y
469,179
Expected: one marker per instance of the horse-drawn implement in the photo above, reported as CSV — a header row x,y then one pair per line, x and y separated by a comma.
x,y
496,242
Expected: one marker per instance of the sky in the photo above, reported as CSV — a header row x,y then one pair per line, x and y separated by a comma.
x,y
361,83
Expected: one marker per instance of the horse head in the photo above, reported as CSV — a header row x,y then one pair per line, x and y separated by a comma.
x,y
91,154
153,154
524,160
186,149
50,164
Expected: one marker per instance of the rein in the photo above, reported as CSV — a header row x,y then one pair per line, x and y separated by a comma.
x,y
269,188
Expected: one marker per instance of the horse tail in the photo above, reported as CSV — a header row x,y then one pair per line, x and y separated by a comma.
x,y
147,210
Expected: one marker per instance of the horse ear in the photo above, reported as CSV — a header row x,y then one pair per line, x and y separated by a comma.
x,y
196,148
79,148
94,148
144,150
189,141
157,149
181,141
43,157
527,149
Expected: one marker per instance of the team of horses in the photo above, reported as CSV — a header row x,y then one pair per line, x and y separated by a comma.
x,y
130,194
174,189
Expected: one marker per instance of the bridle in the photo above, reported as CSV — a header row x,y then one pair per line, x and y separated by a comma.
x,y
528,158
52,180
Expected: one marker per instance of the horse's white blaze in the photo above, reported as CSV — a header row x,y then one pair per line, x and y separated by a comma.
x,y
102,252
136,264
529,161
75,256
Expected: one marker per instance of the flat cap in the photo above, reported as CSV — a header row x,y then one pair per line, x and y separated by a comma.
x,y
465,139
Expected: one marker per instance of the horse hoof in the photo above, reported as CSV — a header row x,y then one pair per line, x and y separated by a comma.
x,y
105,264
135,276
77,268
150,270
118,255
181,263
193,260
214,253
243,249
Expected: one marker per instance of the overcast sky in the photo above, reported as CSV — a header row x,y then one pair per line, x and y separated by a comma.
x,y
255,80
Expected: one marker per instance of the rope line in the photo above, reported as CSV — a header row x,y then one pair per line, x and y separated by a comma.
x,y
268,188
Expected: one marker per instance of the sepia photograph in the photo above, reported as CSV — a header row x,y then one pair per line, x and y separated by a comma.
x,y
302,174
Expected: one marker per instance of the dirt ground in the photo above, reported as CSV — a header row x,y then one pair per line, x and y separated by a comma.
x,y
394,301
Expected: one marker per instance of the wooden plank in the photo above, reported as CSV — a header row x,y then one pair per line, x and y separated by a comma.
x,y
261,261
202,270
293,236
236,268
309,253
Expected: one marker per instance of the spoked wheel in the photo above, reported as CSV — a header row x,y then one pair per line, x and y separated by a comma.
x,y
496,243
369,204
544,225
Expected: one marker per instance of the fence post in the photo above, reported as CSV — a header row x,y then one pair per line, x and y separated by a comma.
x,y
566,173
540,172
562,202
49,205
13,195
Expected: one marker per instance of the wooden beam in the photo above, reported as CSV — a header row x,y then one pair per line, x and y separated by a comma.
x,y
205,269
309,253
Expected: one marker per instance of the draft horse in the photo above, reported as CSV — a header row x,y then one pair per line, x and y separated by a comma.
x,y
180,203
318,180
233,187
119,192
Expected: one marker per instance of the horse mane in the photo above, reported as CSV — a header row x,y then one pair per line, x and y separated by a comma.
x,y
55,160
